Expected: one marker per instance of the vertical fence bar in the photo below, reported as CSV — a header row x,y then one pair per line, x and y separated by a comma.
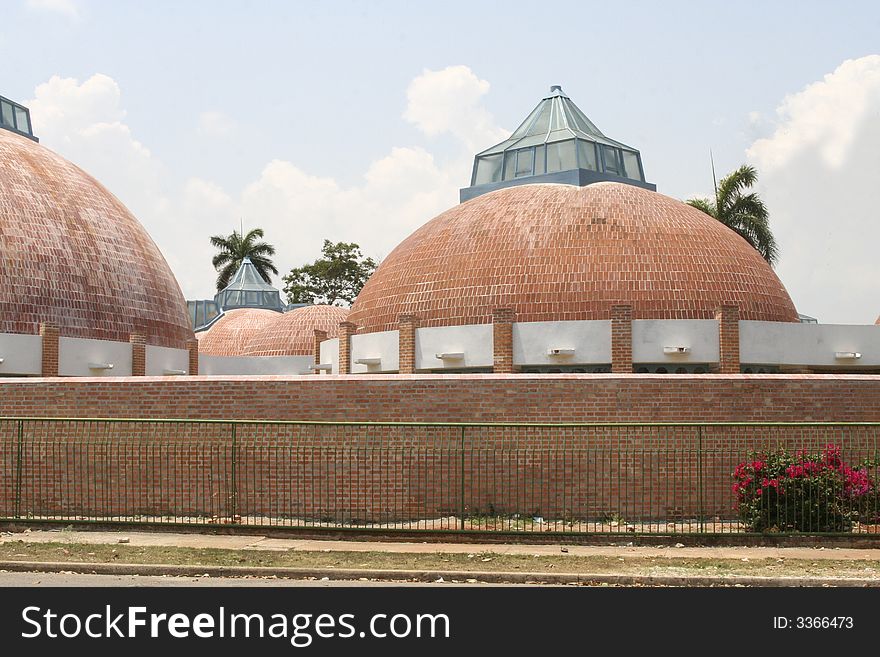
x,y
233,488
18,455
701,509
461,482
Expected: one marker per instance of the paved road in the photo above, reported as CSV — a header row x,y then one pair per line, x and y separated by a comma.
x,y
72,579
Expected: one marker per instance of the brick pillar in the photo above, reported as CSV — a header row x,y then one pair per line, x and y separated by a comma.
x,y
138,354
49,334
502,340
319,337
406,343
621,340
192,346
346,330
728,339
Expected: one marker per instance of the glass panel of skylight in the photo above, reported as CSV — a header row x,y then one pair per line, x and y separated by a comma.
x,y
523,128
574,121
524,160
6,114
542,123
582,121
611,163
509,164
488,169
540,156
631,165
560,135
586,155
561,156
21,120
556,121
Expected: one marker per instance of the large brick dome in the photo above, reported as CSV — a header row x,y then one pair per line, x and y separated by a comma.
x,y
73,255
560,252
293,333
229,335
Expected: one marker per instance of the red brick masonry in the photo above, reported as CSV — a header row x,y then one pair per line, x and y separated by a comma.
x,y
456,397
384,473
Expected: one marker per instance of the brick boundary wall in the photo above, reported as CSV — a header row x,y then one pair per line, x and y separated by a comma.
x,y
456,397
388,473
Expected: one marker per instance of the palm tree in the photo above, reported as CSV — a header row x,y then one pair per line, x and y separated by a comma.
x,y
744,213
235,248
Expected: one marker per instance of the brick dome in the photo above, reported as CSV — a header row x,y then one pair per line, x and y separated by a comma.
x,y
230,334
292,334
73,255
560,252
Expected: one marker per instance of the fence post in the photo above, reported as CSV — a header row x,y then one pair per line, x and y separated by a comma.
x,y
233,493
18,454
461,475
702,514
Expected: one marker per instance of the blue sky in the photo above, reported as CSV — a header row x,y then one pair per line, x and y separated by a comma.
x,y
358,120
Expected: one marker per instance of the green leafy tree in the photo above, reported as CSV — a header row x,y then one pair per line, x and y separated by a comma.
x,y
335,278
742,211
233,249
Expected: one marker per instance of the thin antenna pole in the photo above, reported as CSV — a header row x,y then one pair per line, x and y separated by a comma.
x,y
714,179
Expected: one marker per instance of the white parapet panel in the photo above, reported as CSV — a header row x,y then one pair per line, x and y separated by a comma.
x,y
330,355
162,361
789,343
254,365
21,354
675,341
378,351
472,342
562,343
83,357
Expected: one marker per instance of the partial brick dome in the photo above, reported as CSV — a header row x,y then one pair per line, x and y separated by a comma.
x,y
293,333
229,335
71,254
560,252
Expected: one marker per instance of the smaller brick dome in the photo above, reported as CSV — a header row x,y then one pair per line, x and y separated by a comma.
x,y
292,334
230,334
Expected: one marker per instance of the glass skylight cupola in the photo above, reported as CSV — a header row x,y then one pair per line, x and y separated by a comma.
x,y
555,143
247,289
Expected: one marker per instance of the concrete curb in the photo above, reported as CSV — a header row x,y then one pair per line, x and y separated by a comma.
x,y
462,576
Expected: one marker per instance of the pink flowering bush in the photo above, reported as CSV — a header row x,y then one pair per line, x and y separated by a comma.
x,y
806,492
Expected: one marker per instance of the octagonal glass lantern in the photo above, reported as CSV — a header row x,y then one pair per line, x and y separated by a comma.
x,y
555,143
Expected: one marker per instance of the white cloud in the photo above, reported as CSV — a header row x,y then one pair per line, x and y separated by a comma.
x,y
819,173
65,7
448,101
298,210
215,124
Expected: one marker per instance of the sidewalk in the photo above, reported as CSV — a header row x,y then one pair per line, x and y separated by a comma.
x,y
257,542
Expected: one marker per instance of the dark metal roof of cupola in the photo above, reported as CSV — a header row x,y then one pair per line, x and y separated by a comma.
x,y
555,143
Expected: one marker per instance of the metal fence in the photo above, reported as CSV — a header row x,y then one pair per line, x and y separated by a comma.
x,y
632,478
